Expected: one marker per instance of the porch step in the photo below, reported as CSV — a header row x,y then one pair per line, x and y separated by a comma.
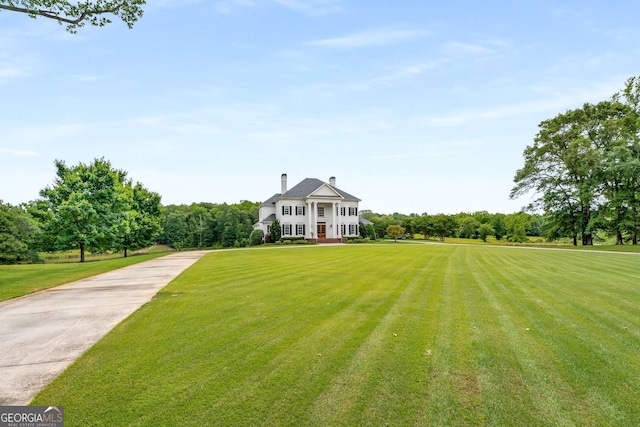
x,y
326,240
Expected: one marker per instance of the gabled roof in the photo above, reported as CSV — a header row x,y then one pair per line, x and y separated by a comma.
x,y
272,200
308,186
270,218
365,221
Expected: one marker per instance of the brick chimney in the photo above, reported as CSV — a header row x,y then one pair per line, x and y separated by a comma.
x,y
332,181
283,183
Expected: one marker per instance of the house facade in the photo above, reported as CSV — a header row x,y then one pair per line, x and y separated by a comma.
x,y
313,210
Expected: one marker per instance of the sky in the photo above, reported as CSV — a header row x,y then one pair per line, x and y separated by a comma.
x,y
414,106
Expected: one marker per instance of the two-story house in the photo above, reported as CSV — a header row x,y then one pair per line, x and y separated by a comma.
x,y
312,209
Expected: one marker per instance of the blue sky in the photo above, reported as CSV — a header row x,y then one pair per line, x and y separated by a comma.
x,y
412,106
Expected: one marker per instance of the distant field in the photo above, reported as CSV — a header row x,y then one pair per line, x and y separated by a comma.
x,y
373,335
18,280
537,242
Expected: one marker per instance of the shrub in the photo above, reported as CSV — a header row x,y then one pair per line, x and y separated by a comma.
x,y
357,240
297,240
256,237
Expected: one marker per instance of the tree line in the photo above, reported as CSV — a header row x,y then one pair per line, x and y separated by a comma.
x,y
96,208
515,227
208,225
584,168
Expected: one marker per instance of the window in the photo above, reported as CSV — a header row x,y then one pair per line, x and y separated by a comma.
x,y
300,229
320,210
353,229
286,229
343,229
286,210
299,210
353,211
343,211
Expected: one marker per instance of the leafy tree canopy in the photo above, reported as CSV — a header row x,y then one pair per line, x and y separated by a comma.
x,y
94,207
395,231
76,14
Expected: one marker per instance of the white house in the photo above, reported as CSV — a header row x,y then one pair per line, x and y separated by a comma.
x,y
312,209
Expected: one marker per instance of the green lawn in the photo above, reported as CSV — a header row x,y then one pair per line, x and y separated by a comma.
x,y
373,335
23,279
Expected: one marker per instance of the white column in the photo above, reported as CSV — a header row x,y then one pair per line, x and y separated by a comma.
x,y
308,233
314,222
339,221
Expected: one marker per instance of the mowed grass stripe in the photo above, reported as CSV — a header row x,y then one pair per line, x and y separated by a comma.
x,y
574,332
305,336
386,374
529,365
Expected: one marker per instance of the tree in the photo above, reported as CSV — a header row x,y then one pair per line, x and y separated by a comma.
x,y
18,235
141,222
76,14
395,231
275,231
174,226
485,230
516,225
563,167
93,207
497,223
468,228
443,225
584,166
367,231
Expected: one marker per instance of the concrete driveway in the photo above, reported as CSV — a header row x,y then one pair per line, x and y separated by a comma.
x,y
41,334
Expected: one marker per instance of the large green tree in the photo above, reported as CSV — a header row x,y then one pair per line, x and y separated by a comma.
x,y
563,166
77,14
93,207
584,167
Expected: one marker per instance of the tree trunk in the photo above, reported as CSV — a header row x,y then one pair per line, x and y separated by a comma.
x,y
618,237
125,251
575,240
587,239
635,238
81,252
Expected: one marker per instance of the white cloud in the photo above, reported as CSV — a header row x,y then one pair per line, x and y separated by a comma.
x,y
457,48
19,153
312,7
372,38
406,72
555,101
10,72
226,6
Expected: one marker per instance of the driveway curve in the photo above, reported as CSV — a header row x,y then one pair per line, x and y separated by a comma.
x,y
43,333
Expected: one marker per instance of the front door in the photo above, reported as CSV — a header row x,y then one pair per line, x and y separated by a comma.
x,y
322,230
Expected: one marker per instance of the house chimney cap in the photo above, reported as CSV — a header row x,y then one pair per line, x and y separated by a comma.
x,y
332,181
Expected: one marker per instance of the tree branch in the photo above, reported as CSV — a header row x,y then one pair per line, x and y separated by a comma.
x,y
75,16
